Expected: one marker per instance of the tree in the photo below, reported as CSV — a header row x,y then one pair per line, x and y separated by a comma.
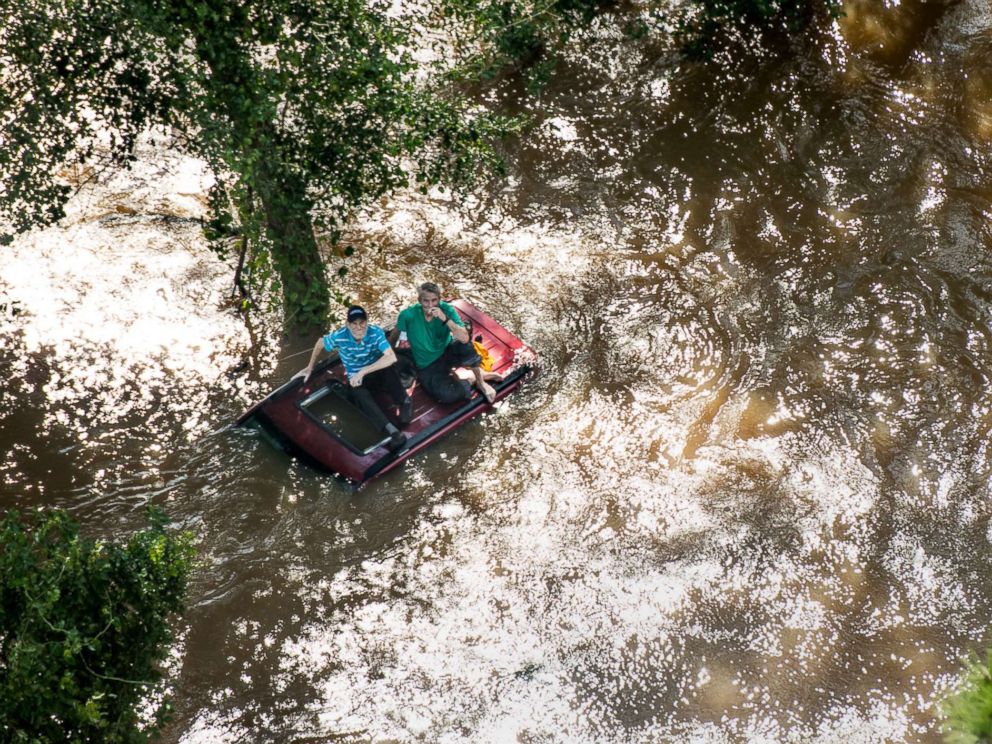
x,y
493,36
490,37
83,626
703,27
305,110
968,711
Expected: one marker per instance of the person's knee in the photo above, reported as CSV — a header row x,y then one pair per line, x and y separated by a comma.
x,y
361,394
363,399
452,392
463,354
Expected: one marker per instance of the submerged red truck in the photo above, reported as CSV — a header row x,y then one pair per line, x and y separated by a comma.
x,y
316,422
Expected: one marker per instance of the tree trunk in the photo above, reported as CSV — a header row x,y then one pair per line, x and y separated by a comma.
x,y
283,195
306,299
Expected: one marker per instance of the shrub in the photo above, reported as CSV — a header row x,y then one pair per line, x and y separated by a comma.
x,y
83,627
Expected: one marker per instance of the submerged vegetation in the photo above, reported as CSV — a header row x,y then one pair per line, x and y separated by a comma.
x,y
84,628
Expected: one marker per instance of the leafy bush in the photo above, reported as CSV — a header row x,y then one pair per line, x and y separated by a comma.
x,y
492,36
969,711
83,627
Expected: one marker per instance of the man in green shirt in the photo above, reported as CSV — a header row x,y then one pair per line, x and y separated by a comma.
x,y
434,332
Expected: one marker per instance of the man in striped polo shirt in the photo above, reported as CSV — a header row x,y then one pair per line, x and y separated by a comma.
x,y
370,364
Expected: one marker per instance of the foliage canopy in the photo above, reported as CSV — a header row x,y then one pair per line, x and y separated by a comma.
x,y
704,27
490,37
968,712
305,109
83,627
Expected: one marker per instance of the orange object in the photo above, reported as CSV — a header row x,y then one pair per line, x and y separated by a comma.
x,y
483,352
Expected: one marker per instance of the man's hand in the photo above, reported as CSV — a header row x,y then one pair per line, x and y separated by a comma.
x,y
305,372
356,379
404,344
438,313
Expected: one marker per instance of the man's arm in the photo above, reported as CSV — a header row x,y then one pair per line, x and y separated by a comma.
x,y
458,331
388,357
402,341
451,322
317,348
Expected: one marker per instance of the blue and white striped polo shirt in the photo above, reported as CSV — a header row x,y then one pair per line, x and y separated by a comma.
x,y
357,354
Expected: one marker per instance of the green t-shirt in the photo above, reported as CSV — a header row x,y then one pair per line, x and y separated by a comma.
x,y
428,340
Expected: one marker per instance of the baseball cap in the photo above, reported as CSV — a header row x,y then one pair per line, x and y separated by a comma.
x,y
355,312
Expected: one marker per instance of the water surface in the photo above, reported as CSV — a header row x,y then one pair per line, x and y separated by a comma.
x,y
746,498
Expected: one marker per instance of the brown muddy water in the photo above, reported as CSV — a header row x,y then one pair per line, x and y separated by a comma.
x,y
746,498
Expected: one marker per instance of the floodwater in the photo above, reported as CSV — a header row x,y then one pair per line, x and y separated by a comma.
x,y
745,499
